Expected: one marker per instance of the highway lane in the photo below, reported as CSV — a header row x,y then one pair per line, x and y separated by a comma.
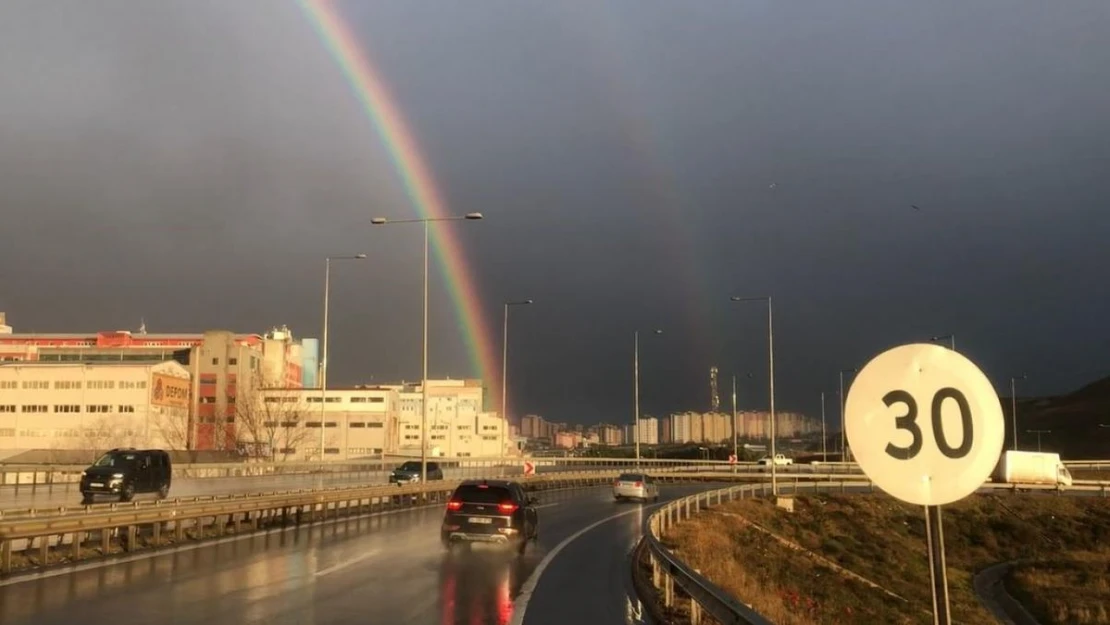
x,y
387,569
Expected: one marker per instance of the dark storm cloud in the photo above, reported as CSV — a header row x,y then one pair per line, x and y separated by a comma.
x,y
193,163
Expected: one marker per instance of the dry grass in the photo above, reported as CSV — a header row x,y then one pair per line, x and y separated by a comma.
x,y
1074,588
882,540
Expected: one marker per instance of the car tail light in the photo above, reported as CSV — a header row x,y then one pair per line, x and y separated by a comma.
x,y
638,484
507,508
454,504
617,483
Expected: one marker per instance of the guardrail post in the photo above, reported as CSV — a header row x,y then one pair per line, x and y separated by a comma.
x,y
6,556
656,571
695,608
668,590
78,537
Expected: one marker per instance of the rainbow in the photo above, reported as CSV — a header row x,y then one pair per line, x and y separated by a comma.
x,y
398,139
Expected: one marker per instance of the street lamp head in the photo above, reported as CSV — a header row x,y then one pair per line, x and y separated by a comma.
x,y
473,216
528,301
359,256
657,331
377,221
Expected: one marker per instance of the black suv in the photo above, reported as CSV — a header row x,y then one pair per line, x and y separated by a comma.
x,y
125,472
409,473
490,511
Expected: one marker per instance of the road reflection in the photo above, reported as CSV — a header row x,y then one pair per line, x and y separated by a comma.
x,y
476,587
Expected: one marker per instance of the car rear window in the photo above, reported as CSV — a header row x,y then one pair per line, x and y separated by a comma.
x,y
478,494
631,477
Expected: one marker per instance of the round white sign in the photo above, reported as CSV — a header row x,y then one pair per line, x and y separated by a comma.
x,y
925,424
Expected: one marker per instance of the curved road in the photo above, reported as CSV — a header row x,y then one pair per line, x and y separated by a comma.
x,y
388,569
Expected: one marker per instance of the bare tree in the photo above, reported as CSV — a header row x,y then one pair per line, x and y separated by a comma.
x,y
272,424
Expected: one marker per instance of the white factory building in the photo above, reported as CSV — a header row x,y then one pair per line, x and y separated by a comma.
x,y
369,421
79,406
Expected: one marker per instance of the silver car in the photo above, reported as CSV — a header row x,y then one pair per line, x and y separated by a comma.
x,y
639,486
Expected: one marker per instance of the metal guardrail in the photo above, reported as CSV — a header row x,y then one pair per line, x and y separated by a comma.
x,y
60,535
669,571
50,478
705,597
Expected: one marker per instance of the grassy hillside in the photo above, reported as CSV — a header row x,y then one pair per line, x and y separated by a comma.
x,y
862,558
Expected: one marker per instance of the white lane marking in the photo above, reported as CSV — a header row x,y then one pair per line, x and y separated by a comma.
x,y
343,565
546,505
520,604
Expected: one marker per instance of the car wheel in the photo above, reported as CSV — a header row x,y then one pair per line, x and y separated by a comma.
x,y
86,499
127,493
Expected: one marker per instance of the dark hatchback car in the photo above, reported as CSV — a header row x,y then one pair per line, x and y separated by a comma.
x,y
490,511
123,473
409,473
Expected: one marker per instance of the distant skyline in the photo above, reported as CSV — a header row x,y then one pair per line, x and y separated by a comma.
x,y
887,172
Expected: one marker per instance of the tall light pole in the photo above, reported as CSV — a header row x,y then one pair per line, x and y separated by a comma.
x,y
1038,433
771,392
636,390
843,430
505,373
427,221
324,355
951,338
735,426
1013,405
824,439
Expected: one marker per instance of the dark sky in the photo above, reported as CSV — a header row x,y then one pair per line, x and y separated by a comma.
x,y
192,163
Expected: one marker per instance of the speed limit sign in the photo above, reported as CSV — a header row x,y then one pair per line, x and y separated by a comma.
x,y
925,424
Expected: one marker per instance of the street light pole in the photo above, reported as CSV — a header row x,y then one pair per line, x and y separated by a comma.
x,y
427,221
636,390
505,374
1038,433
1013,406
844,457
824,439
324,355
771,368
735,446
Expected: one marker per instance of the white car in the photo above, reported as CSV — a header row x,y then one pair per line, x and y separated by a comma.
x,y
639,486
779,460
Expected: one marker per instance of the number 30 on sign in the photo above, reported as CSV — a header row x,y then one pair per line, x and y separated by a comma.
x,y
925,424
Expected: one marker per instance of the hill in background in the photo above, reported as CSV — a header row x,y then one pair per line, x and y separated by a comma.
x,y
1074,420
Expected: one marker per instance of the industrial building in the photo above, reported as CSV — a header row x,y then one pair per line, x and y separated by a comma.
x,y
93,406
374,420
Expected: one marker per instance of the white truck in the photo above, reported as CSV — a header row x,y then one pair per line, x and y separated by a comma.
x,y
779,460
1031,467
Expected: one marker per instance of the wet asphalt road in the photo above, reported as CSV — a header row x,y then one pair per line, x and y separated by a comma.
x,y
387,569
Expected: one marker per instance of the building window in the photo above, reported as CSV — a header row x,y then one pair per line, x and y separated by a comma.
x,y
98,408
67,408
272,400
36,385
331,450
375,424
232,361
215,361
353,424
7,407
312,424
126,408
289,424
7,432
33,408
331,424
287,450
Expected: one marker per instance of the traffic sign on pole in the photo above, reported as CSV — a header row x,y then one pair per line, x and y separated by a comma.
x,y
529,468
732,458
925,425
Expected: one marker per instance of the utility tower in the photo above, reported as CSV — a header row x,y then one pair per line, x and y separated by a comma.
x,y
715,399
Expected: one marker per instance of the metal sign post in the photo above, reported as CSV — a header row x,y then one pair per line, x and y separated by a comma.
x,y
926,426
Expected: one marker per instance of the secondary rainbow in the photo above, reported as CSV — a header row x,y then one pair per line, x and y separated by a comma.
x,y
370,90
